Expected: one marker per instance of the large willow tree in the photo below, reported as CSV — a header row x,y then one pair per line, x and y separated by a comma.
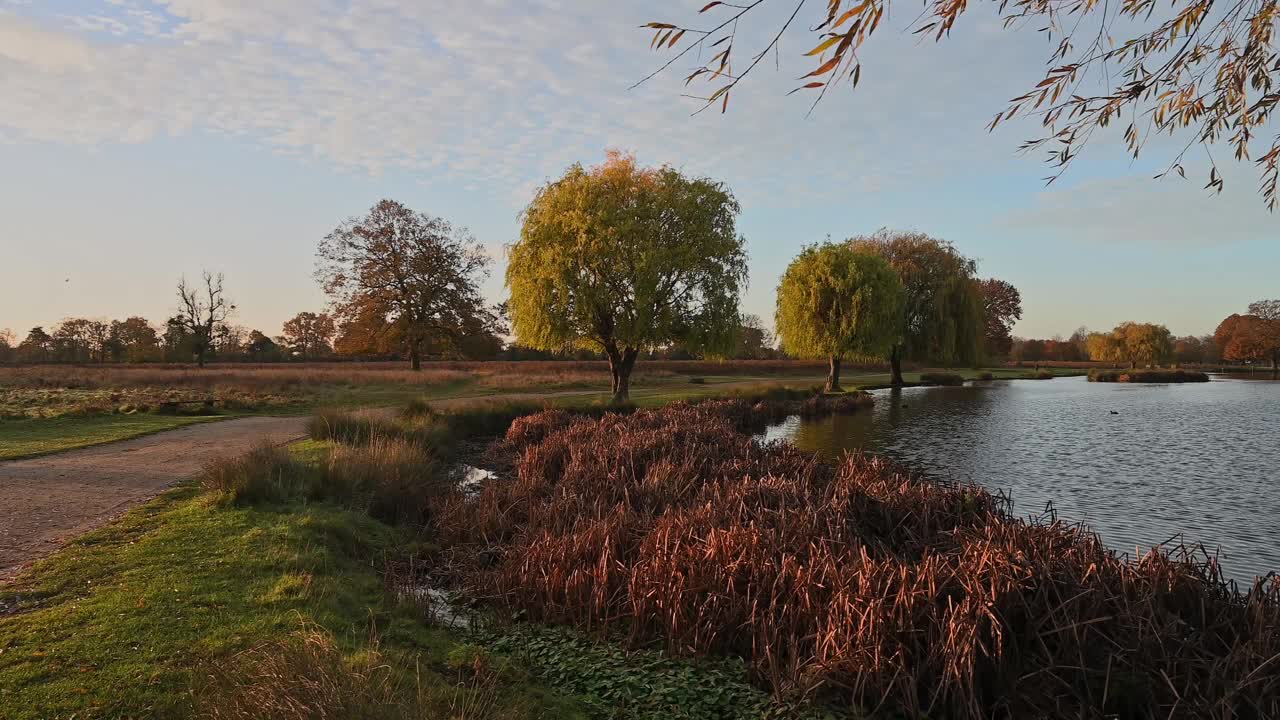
x,y
619,259
835,301
942,318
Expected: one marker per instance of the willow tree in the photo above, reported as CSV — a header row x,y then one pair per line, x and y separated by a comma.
x,y
619,259
1133,343
835,301
405,275
942,317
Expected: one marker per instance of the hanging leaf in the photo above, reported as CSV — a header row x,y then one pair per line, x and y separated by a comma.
x,y
675,39
824,45
708,6
825,68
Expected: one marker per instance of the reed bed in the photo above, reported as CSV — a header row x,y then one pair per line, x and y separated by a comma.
x,y
1148,375
856,582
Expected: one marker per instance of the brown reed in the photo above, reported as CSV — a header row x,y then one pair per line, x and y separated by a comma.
x,y
857,582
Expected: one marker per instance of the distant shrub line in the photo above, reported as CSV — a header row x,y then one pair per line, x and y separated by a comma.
x,y
1149,375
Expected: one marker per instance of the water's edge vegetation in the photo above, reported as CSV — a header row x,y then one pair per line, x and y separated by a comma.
x,y
627,563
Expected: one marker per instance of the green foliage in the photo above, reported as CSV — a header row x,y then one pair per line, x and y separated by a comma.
x,y
1148,376
836,301
943,318
643,684
266,473
618,256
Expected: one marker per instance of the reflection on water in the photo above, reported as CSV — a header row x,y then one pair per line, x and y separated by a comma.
x,y
1139,463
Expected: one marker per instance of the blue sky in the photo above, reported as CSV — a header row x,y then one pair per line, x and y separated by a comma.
x,y
145,139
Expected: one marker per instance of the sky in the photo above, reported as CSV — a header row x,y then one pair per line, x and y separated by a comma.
x,y
144,140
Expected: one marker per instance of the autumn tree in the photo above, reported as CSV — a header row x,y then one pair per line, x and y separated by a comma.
x,y
621,259
134,339
202,313
942,316
835,301
1133,343
1253,337
82,340
415,273
310,334
1001,308
1192,69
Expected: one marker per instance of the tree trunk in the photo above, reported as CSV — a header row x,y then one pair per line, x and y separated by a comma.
x,y
833,374
415,356
620,366
895,365
200,359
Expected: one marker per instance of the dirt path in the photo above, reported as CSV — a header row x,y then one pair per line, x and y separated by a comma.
x,y
46,501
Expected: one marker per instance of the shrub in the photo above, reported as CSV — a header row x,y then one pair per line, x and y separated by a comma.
x,y
267,473
986,376
352,427
857,581
1149,375
941,378
1038,375
392,478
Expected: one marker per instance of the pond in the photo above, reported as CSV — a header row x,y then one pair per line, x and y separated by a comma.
x,y
1140,464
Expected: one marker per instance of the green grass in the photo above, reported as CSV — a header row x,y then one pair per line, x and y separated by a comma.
x,y
127,621
28,437
40,436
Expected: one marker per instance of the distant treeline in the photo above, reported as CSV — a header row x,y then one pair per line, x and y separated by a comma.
x,y
304,338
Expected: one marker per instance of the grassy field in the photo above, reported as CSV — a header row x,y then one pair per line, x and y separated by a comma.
x,y
26,438
46,409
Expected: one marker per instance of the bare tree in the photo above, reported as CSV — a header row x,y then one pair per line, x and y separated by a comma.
x,y
203,312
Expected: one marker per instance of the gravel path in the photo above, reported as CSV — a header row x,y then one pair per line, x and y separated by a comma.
x,y
46,501
49,500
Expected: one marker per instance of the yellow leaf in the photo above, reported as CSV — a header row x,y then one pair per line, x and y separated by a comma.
x,y
824,45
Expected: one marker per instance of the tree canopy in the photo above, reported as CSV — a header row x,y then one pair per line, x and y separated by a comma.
x,y
942,317
1192,69
1133,343
1254,336
409,276
1001,308
310,334
835,301
618,258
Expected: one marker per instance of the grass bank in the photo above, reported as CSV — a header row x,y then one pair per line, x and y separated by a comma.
x,y
1148,375
180,608
27,438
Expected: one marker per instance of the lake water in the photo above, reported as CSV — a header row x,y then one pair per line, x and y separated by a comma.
x,y
1140,464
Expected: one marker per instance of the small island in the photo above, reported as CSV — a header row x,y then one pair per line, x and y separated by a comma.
x,y
1148,375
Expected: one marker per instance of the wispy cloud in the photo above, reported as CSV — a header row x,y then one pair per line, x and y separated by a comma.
x,y
1138,210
